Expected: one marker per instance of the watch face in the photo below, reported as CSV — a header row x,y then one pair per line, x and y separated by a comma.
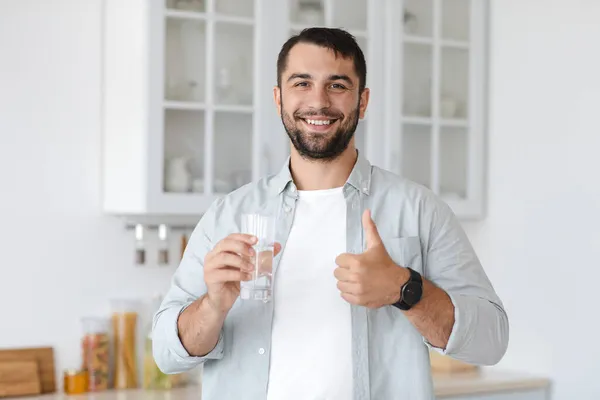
x,y
412,293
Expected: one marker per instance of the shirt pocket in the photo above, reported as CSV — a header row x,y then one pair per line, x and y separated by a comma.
x,y
405,251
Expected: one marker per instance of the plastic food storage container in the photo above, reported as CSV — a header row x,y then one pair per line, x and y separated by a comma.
x,y
124,324
95,350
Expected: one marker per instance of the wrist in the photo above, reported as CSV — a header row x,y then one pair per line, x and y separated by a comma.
x,y
215,305
400,276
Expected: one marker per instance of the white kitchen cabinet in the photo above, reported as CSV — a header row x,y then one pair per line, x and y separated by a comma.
x,y
186,85
190,81
434,69
426,64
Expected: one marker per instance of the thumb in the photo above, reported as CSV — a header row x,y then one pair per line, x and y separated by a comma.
x,y
372,234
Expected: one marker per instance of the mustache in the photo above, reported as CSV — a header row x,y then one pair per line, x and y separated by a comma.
x,y
331,114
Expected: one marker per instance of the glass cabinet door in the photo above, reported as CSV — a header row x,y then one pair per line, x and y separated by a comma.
x,y
434,138
208,95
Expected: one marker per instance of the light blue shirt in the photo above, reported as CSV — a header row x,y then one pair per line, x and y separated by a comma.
x,y
390,357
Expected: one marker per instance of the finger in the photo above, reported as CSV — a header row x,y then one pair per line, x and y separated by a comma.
x,y
225,259
343,274
350,298
224,275
346,260
243,237
276,248
349,288
371,232
233,245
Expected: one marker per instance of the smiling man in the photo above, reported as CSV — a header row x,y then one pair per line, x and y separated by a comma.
x,y
371,270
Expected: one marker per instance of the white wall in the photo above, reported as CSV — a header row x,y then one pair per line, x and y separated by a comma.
x,y
540,243
60,258
541,240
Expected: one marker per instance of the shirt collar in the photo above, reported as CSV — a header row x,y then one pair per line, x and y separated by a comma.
x,y
360,177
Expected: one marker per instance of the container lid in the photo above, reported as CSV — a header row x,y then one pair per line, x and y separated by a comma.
x,y
72,371
95,324
124,305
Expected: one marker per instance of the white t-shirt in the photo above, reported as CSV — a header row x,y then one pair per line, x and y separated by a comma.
x,y
311,349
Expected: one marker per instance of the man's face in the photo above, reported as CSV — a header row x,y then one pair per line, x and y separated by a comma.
x,y
319,101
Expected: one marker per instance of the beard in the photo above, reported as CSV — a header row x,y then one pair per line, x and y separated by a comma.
x,y
317,145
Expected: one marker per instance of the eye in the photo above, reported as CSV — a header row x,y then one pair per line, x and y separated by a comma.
x,y
337,86
301,84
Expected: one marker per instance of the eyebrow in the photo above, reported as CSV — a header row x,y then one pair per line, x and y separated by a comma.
x,y
334,77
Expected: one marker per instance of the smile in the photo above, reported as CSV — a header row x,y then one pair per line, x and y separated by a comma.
x,y
320,121
321,124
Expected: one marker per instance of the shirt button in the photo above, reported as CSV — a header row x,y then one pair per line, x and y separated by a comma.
x,y
261,351
288,209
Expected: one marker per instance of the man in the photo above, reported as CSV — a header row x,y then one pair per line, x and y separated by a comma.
x,y
371,270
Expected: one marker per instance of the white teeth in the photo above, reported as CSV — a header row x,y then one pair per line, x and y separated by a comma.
x,y
318,122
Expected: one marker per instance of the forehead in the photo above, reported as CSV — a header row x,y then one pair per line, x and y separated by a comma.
x,y
316,60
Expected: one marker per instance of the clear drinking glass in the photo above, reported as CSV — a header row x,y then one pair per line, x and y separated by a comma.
x,y
259,286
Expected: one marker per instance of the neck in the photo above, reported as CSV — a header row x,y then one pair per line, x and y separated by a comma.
x,y
319,174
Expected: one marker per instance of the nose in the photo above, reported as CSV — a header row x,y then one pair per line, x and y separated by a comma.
x,y
319,98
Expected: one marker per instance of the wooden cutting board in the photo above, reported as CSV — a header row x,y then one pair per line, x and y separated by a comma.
x,y
44,358
19,378
446,364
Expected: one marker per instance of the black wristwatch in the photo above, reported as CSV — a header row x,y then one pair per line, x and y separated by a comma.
x,y
411,291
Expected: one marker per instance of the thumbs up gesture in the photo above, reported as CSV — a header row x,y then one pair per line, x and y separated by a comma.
x,y
370,279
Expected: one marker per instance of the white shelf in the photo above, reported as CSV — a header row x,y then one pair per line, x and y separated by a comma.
x,y
234,108
202,16
448,43
455,44
417,120
184,105
458,123
232,19
186,15
418,40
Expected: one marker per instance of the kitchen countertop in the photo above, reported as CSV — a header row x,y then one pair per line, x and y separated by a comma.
x,y
485,381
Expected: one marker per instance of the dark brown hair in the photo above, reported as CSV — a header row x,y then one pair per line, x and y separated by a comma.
x,y
338,40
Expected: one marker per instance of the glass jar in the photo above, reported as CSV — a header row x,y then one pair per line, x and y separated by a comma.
x,y
154,378
75,381
95,350
124,325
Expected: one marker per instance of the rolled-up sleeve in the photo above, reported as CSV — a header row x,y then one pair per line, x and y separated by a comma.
x,y
187,285
481,330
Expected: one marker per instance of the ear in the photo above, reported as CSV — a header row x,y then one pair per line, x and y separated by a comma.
x,y
277,99
364,101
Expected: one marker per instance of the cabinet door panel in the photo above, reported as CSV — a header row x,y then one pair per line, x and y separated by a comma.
x,y
455,19
454,91
417,79
234,64
415,161
453,162
185,60
233,151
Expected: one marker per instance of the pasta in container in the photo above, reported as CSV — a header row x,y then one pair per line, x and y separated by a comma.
x,y
95,350
124,325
